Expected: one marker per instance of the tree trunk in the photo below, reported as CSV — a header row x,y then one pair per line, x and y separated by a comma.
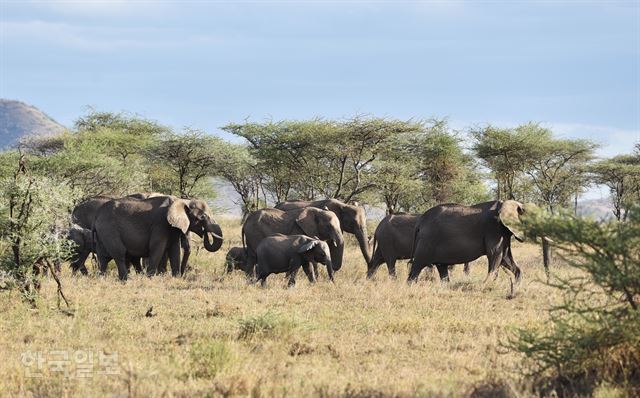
x,y
546,255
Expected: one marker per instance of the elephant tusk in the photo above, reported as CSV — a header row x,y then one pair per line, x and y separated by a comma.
x,y
215,235
333,242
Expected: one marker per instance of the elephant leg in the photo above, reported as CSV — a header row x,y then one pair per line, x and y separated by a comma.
x,y
309,272
421,259
78,262
250,270
391,266
173,252
292,277
123,270
263,280
494,257
375,263
156,255
186,252
509,263
443,270
162,266
136,264
466,268
330,273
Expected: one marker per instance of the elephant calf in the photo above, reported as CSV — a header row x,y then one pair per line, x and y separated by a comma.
x,y
83,246
236,259
287,253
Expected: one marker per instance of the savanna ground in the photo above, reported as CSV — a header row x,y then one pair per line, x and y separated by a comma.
x,y
213,334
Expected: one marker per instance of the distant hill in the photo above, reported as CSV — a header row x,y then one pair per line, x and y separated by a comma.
x,y
599,209
18,119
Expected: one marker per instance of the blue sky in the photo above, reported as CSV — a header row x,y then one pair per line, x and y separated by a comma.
x,y
574,66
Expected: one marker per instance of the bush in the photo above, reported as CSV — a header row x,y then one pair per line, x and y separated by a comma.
x,y
33,211
265,325
208,359
594,333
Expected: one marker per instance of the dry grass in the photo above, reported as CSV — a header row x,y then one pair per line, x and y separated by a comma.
x,y
216,335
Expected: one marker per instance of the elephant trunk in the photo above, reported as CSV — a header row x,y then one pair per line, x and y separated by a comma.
x,y
216,233
363,241
336,252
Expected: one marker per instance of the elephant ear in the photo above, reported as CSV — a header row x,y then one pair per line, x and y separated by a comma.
x,y
509,216
308,246
177,215
307,222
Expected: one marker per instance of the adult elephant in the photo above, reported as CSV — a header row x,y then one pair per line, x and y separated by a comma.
x,y
310,221
84,214
352,219
151,228
392,241
452,234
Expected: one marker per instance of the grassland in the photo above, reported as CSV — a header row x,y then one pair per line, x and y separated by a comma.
x,y
213,334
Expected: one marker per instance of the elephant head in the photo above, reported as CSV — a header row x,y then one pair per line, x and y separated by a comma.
x,y
317,250
326,226
509,216
353,220
194,215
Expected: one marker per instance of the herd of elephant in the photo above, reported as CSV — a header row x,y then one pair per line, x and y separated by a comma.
x,y
152,229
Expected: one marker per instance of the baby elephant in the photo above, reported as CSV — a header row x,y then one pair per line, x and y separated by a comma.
x,y
287,253
236,259
83,247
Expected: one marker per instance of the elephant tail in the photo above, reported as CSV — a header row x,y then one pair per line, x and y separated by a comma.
x,y
374,247
244,244
413,245
93,244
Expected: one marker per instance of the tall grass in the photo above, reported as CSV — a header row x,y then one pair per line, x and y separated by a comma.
x,y
216,334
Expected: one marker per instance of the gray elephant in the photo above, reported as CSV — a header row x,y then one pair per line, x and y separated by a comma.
x,y
236,259
310,221
84,215
452,234
392,241
151,228
287,253
83,246
352,219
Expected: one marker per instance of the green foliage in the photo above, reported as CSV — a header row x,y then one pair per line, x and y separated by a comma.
x,y
419,169
266,325
182,163
530,165
210,358
33,209
621,175
318,158
594,334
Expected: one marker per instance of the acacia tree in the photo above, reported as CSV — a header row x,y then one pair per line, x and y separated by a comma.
x,y
239,168
506,152
621,174
105,154
32,208
312,158
593,334
183,163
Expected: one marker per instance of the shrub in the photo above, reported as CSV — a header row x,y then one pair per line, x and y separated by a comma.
x,y
265,325
208,359
594,333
